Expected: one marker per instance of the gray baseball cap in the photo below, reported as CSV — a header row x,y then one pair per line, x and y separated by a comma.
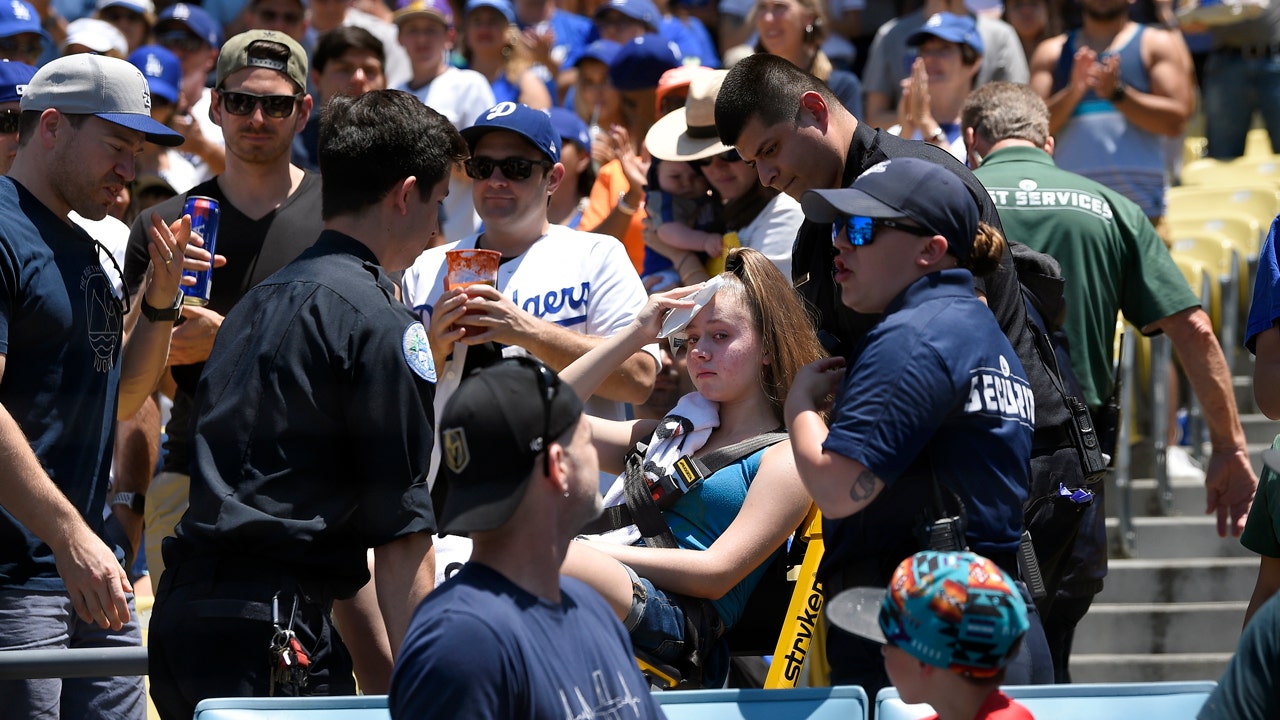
x,y
107,87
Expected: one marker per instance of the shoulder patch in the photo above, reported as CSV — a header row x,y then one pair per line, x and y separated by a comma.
x,y
417,352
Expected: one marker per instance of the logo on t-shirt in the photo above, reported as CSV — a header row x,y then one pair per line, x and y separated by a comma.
x,y
102,316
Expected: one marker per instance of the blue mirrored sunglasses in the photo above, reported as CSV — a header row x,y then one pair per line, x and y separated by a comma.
x,y
862,229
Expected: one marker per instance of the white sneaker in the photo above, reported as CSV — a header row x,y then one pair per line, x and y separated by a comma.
x,y
1179,464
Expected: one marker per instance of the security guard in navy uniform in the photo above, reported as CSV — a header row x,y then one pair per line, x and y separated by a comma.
x,y
313,434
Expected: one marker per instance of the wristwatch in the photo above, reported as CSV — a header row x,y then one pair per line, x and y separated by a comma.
x,y
1118,94
938,136
136,502
168,314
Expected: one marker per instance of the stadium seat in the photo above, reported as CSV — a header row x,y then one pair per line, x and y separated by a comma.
x,y
340,707
1104,701
1208,172
1257,201
1226,267
847,702
1257,144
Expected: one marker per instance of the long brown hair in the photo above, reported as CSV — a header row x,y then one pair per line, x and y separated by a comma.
x,y
786,330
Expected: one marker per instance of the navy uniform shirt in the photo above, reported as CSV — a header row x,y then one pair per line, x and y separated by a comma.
x,y
314,421
936,391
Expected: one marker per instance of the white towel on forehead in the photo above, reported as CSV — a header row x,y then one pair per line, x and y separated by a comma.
x,y
682,432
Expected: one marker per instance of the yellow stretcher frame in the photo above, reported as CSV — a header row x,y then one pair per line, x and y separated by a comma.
x,y
804,613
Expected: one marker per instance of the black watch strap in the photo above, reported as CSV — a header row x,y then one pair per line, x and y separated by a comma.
x,y
1118,94
136,502
169,314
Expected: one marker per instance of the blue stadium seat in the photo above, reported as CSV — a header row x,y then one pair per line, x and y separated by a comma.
x,y
836,703
340,707
1103,701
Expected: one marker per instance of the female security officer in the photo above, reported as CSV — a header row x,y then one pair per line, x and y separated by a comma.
x,y
931,428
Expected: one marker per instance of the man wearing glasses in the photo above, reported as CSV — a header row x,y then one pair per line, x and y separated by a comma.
x,y
313,434
67,375
270,214
559,291
22,38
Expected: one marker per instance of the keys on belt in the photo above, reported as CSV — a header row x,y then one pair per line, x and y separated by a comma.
x,y
290,663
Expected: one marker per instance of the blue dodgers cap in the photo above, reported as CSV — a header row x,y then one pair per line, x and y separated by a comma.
x,y
14,77
923,191
953,610
959,29
18,17
601,50
641,10
501,6
194,18
112,89
571,127
162,69
532,125
639,65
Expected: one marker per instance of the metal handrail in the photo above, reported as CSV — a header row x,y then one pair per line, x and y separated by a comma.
x,y
1123,462
72,663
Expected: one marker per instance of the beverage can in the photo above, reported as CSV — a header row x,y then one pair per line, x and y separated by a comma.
x,y
204,214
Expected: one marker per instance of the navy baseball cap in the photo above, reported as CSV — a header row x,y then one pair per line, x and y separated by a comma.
x,y
923,191
194,18
110,88
532,125
492,430
18,17
161,68
601,51
643,10
14,77
639,65
959,29
571,127
501,6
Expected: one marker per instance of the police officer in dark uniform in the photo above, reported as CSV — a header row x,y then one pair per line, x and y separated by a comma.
x,y
313,434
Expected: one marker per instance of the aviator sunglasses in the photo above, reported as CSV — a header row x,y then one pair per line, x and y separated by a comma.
x,y
513,168
276,106
862,229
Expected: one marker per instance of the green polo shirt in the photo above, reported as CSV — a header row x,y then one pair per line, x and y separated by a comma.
x,y
1112,260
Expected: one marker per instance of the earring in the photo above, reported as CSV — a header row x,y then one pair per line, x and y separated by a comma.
x,y
566,492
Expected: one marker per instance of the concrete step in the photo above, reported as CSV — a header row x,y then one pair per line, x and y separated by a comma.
x,y
1194,580
1187,495
1092,668
1259,428
1177,537
1158,628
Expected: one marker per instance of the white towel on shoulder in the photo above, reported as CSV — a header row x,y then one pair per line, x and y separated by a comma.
x,y
682,432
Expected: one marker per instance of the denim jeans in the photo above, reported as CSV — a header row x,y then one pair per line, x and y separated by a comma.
x,y
33,620
1234,87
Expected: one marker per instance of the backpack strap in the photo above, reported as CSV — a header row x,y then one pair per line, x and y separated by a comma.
x,y
641,510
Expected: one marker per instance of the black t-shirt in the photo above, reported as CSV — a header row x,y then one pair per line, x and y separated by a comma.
x,y
254,249
313,422
890,521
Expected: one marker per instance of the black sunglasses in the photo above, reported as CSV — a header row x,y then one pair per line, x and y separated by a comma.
x,y
862,229
729,156
9,121
548,386
513,168
276,106
179,41
16,44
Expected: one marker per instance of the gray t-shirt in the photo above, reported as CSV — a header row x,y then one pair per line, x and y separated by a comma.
x,y
889,60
